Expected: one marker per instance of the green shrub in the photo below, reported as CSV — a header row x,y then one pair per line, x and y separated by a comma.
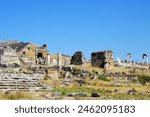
x,y
144,79
104,78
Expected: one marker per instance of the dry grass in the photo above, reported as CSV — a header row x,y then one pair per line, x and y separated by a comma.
x,y
88,68
15,95
104,88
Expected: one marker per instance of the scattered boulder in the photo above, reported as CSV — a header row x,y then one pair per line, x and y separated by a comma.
x,y
132,92
94,77
84,75
84,94
56,94
67,75
95,95
68,69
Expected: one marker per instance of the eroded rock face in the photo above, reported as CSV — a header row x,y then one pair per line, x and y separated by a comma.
x,y
77,58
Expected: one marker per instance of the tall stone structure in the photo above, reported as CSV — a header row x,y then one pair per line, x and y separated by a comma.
x,y
77,58
27,52
103,59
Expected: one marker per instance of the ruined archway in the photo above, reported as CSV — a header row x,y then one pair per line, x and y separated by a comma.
x,y
40,59
39,55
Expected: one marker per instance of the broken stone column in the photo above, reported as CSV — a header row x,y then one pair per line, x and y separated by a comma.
x,y
59,61
77,58
66,62
54,62
48,59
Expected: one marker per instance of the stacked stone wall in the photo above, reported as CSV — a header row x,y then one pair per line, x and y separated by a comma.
x,y
77,58
102,58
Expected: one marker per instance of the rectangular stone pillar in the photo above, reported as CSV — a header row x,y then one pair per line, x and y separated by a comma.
x,y
59,61
48,59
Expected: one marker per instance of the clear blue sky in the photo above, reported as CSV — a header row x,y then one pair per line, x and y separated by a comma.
x,y
71,25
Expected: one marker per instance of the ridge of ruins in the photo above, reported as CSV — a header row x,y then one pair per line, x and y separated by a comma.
x,y
24,64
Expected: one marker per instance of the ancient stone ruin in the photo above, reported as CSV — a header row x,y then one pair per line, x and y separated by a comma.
x,y
103,59
77,58
24,65
8,57
28,53
21,82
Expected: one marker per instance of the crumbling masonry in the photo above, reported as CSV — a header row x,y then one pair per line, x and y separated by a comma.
x,y
103,59
77,58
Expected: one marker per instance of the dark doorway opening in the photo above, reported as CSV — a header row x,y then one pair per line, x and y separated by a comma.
x,y
39,55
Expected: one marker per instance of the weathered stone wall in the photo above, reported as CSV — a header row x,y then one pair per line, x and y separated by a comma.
x,y
32,52
103,59
28,52
77,58
8,56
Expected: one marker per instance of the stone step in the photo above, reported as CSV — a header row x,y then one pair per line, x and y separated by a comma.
x,y
20,85
19,79
18,82
21,82
23,88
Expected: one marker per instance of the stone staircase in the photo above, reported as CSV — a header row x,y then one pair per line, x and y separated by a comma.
x,y
21,82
